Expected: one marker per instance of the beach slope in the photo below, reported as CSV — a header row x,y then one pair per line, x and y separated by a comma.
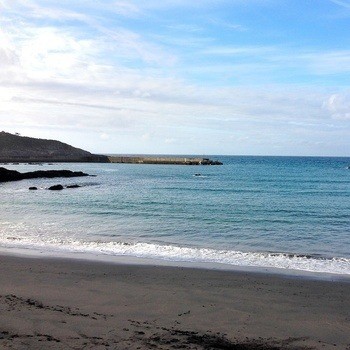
x,y
73,304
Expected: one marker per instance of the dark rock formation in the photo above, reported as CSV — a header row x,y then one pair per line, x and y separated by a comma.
x,y
33,188
56,188
73,186
13,175
15,148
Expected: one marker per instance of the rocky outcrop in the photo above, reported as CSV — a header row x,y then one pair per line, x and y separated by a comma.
x,y
56,188
16,148
60,187
7,175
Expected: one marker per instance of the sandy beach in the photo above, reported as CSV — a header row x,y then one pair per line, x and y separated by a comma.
x,y
74,304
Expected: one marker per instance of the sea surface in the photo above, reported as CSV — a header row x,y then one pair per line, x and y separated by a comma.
x,y
289,213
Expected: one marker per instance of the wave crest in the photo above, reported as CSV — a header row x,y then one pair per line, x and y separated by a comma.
x,y
335,265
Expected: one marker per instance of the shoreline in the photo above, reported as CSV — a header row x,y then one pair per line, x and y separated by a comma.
x,y
58,303
39,253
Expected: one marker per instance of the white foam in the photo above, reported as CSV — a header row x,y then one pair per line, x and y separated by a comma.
x,y
180,254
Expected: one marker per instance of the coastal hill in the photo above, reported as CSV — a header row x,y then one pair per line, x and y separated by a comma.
x,y
16,148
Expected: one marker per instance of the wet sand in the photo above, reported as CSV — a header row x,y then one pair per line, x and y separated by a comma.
x,y
75,304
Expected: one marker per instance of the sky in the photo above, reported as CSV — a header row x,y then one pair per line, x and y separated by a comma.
x,y
234,77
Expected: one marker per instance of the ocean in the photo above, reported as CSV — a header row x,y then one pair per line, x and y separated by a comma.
x,y
288,213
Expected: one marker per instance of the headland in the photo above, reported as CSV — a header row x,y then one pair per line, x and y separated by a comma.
x,y
21,149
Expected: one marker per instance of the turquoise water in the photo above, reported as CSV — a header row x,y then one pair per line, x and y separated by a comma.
x,y
279,212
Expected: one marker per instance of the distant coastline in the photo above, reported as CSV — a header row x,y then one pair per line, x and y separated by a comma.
x,y
21,149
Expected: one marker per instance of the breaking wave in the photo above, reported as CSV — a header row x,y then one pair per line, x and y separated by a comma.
x,y
176,253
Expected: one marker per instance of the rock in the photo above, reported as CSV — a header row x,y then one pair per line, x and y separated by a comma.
x,y
73,186
33,188
56,188
13,175
9,175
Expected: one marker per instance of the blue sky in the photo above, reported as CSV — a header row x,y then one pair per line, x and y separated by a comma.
x,y
261,77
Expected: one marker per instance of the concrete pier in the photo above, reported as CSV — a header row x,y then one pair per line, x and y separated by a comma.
x,y
163,160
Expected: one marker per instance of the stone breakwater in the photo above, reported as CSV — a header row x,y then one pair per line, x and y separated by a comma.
x,y
163,160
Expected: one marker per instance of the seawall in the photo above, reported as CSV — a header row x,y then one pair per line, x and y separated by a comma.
x,y
163,160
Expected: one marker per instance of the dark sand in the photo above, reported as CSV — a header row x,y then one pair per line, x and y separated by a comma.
x,y
72,304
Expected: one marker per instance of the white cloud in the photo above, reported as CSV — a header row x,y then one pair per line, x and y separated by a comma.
x,y
126,8
39,9
342,3
240,50
331,62
339,106
122,42
264,61
228,25
146,136
187,28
